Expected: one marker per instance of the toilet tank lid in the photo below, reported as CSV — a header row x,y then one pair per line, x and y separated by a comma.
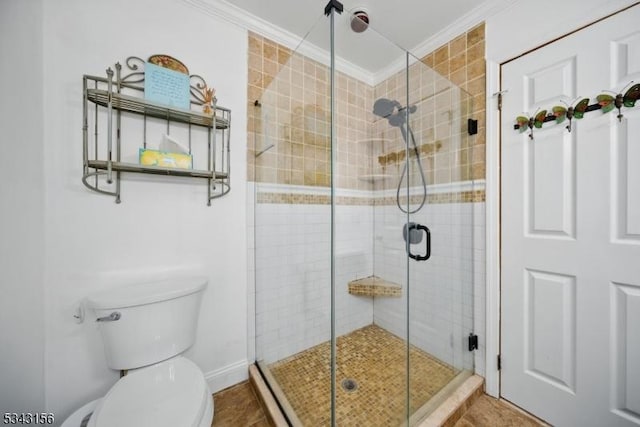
x,y
146,293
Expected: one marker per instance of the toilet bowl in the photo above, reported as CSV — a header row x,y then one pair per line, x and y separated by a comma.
x,y
145,328
80,418
170,394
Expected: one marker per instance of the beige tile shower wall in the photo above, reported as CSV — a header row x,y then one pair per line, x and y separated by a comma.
x,y
289,132
437,134
443,99
462,62
294,119
354,100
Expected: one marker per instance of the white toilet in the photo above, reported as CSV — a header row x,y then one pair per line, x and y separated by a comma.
x,y
145,328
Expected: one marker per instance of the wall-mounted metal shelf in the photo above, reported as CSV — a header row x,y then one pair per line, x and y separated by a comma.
x,y
157,170
102,156
151,109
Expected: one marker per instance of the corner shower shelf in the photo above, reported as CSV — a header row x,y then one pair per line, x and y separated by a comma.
x,y
374,286
106,93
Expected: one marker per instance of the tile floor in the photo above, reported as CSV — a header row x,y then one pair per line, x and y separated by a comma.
x,y
238,406
376,360
489,412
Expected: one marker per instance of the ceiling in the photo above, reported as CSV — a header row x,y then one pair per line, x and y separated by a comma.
x,y
394,24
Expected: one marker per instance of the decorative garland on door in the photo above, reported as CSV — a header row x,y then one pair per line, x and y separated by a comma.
x,y
606,103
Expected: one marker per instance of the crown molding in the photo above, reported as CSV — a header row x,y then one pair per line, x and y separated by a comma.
x,y
461,25
233,14
228,12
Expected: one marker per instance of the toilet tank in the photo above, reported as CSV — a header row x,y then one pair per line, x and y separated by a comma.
x,y
155,320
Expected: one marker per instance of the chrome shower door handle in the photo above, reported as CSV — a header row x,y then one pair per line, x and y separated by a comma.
x,y
110,318
427,255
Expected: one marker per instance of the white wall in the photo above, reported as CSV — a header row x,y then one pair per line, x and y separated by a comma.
x,y
22,215
61,242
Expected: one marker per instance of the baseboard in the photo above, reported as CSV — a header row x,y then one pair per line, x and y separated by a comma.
x,y
227,376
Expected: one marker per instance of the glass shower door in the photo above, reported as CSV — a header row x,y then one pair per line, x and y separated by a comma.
x,y
291,160
439,235
370,279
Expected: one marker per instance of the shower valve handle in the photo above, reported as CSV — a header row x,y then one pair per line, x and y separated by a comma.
x,y
427,255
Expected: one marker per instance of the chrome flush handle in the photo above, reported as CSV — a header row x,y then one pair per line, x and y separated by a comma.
x,y
110,318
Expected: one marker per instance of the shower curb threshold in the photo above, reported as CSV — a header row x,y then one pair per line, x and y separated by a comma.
x,y
453,407
268,402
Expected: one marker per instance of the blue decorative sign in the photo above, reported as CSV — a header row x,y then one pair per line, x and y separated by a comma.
x,y
166,86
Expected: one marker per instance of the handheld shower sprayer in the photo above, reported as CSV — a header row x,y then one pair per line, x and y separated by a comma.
x,y
396,114
392,110
384,107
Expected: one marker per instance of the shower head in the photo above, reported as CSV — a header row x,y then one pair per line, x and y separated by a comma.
x,y
391,110
384,107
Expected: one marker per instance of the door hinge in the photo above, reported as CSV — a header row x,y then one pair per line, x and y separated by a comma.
x,y
498,95
473,341
499,363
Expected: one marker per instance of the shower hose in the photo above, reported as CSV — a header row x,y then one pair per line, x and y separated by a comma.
x,y
404,173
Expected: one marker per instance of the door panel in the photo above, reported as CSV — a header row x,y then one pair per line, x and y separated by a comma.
x,y
625,55
550,301
625,312
545,84
550,181
626,179
570,334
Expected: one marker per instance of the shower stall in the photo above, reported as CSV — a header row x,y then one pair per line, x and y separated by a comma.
x,y
362,225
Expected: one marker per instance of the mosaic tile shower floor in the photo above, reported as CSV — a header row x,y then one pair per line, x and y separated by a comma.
x,y
375,359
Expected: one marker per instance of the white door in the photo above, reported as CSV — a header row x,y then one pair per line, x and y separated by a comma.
x,y
570,329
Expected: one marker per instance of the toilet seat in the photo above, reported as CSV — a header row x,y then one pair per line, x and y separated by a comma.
x,y
169,394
